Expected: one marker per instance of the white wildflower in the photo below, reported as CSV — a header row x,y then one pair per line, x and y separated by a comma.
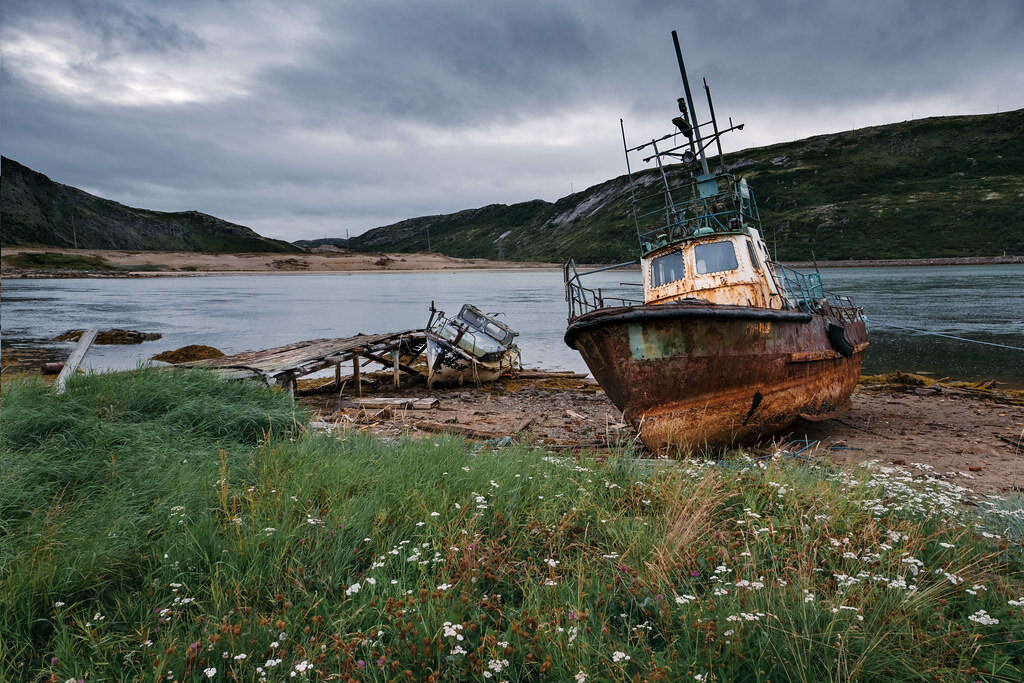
x,y
982,617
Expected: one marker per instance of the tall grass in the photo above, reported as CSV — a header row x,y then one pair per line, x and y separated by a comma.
x,y
172,526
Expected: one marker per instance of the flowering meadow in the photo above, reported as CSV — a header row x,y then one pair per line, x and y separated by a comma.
x,y
171,526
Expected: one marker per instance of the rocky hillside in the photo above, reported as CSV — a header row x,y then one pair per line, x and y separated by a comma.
x,y
35,211
938,187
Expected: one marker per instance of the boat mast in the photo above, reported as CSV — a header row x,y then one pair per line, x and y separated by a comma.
x,y
689,101
714,125
629,174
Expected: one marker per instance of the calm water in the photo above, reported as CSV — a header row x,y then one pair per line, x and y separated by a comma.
x,y
236,313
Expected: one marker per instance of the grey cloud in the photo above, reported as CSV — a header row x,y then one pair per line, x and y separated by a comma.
x,y
361,116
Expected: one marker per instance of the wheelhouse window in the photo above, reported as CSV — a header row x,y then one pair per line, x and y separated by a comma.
x,y
753,256
667,268
715,257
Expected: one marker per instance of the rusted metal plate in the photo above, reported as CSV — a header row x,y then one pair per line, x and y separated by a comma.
x,y
688,376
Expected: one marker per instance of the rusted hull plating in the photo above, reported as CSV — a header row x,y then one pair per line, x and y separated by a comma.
x,y
691,377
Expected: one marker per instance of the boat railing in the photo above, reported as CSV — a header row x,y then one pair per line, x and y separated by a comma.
x,y
712,213
842,308
805,291
583,299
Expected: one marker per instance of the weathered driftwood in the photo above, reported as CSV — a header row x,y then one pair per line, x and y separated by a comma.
x,y
383,402
544,374
84,342
464,430
475,432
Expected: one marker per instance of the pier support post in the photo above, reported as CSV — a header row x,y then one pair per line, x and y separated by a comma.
x,y
355,373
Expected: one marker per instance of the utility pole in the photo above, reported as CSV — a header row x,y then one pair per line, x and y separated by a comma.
x,y
74,233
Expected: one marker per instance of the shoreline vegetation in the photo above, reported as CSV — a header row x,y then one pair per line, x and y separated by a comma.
x,y
51,262
171,525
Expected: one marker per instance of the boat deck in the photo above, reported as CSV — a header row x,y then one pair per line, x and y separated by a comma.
x,y
284,364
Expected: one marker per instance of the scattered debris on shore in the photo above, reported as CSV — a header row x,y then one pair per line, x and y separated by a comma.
x,y
973,438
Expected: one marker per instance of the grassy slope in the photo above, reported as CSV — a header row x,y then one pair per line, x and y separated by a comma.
x,y
151,530
948,186
40,212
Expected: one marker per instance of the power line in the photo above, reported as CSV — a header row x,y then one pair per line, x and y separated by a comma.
x,y
949,336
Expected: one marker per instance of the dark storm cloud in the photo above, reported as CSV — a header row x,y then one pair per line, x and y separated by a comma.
x,y
119,27
308,118
446,64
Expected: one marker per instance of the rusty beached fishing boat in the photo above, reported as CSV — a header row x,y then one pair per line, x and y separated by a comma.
x,y
726,345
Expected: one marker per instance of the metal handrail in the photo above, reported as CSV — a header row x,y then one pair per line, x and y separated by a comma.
x,y
582,299
805,291
685,218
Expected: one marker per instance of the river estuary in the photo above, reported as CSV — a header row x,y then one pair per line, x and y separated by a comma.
x,y
239,312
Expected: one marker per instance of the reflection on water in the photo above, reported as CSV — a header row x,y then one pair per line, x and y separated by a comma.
x,y
236,313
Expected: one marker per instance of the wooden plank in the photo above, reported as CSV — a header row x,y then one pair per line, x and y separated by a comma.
x,y
425,403
464,430
84,342
521,426
397,402
543,374
383,402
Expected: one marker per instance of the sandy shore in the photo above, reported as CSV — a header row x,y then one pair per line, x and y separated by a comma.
x,y
965,437
157,263
332,260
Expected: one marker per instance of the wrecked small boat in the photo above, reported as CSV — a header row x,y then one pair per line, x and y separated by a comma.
x,y
727,344
471,346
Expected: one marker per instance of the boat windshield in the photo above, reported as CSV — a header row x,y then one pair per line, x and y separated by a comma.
x,y
753,256
482,323
715,257
667,268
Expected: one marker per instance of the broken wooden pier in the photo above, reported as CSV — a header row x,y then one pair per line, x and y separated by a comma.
x,y
283,365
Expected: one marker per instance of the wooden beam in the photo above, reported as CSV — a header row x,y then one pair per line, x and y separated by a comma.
x,y
386,362
84,342
355,373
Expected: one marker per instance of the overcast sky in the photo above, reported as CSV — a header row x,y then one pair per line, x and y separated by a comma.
x,y
304,119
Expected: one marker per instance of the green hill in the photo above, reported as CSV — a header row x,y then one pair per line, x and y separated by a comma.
x,y
39,212
938,187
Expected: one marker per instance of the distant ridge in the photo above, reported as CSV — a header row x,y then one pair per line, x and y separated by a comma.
x,y
929,188
35,211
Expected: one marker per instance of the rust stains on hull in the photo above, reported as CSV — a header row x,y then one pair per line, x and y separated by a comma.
x,y
692,376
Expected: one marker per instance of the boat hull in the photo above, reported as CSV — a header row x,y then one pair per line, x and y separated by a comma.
x,y
699,376
445,365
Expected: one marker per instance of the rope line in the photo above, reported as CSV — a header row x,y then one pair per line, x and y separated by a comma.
x,y
949,336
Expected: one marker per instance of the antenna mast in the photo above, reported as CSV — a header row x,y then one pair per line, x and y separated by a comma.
x,y
689,100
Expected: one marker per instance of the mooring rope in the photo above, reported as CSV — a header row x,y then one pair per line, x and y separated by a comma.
x,y
948,336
